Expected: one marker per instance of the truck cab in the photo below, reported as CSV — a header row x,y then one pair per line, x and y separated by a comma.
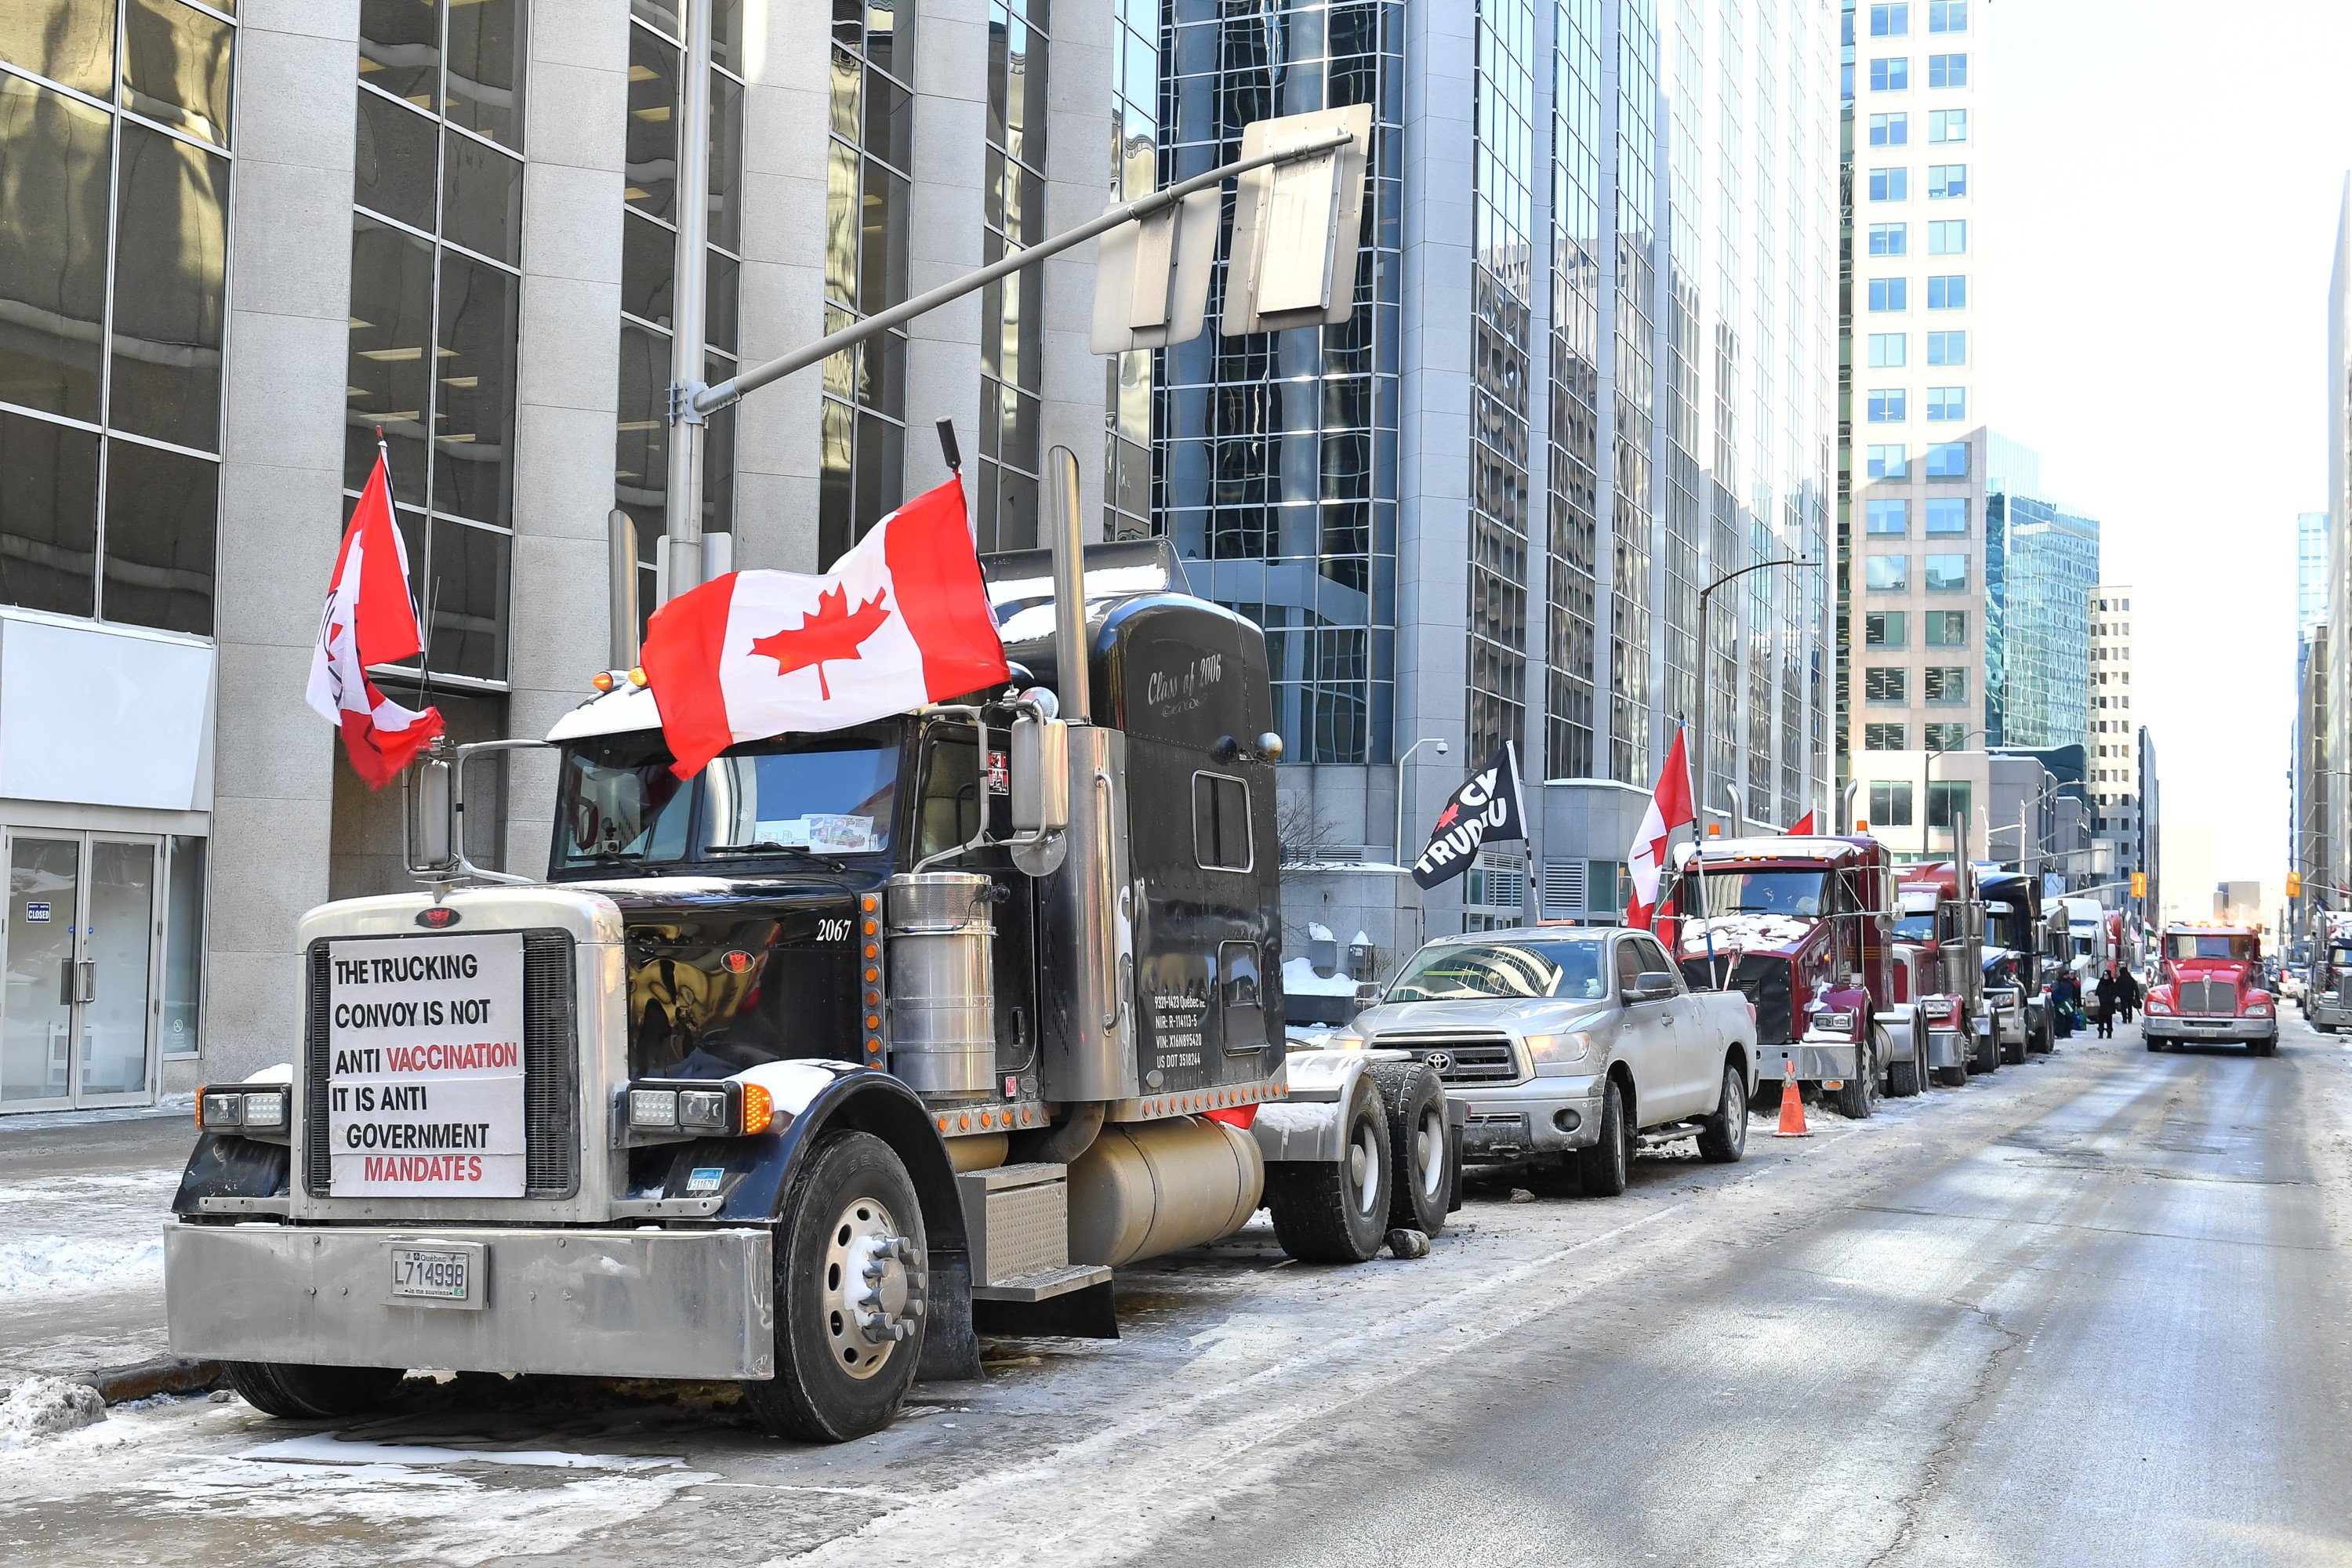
x,y
2327,991
2017,962
1939,914
1804,928
2210,990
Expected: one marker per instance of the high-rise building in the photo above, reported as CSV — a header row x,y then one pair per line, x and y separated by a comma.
x,y
2113,762
2041,562
2310,571
1590,374
2307,785
1915,558
2325,850
456,220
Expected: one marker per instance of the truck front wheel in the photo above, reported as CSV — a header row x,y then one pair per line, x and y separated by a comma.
x,y
1987,1045
1337,1211
294,1392
1605,1167
1859,1098
1905,1079
850,1281
1418,1144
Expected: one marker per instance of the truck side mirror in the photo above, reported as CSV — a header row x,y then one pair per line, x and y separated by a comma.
x,y
431,818
1041,775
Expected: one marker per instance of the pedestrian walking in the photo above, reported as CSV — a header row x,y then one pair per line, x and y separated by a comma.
x,y
2108,992
2128,992
2064,993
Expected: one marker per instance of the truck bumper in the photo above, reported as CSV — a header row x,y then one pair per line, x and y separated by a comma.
x,y
598,1303
1542,1116
2223,1029
1947,1048
1809,1062
2325,1014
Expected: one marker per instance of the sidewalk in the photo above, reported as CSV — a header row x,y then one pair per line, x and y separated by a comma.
x,y
83,1201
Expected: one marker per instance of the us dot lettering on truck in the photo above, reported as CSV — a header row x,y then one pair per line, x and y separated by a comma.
x,y
425,1096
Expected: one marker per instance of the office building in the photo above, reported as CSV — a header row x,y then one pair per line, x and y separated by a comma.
x,y
2323,851
1591,373
2114,744
235,244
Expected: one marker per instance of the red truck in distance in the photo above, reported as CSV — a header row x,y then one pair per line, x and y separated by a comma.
x,y
2211,990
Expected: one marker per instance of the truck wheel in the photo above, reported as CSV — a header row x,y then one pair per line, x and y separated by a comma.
x,y
1724,1137
2015,1055
1905,1079
1422,1183
1859,1098
1604,1168
850,1281
1987,1048
2038,1038
1337,1211
293,1393
2154,1042
2268,1047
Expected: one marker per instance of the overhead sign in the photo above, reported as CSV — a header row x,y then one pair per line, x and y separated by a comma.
x,y
1486,808
424,1086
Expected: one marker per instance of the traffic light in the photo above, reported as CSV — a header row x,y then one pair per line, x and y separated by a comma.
x,y
2295,884
2140,885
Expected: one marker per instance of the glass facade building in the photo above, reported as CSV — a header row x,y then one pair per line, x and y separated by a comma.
x,y
2038,598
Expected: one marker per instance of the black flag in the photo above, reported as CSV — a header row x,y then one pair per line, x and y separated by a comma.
x,y
1487,807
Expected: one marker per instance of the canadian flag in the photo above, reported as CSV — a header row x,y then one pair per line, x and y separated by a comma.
x,y
370,619
1670,807
1802,827
901,620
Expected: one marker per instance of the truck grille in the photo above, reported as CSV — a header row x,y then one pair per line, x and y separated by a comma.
x,y
1484,1058
1762,979
551,1056
2212,998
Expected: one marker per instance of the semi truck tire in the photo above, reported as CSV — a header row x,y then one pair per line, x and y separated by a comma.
x,y
1604,1168
294,1392
1724,1137
1986,1047
1423,1181
2266,1047
1859,1098
2015,1055
850,1282
1337,1211
1905,1079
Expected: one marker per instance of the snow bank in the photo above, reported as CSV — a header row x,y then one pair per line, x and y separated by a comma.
x,y
72,1265
1299,979
43,1406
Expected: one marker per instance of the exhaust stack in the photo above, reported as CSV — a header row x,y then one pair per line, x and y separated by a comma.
x,y
1069,583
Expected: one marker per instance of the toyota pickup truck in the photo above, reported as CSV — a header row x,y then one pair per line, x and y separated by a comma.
x,y
1576,1044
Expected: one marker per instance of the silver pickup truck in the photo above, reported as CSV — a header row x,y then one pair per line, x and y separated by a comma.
x,y
1575,1043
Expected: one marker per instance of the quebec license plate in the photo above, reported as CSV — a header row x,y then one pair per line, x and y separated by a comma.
x,y
436,1275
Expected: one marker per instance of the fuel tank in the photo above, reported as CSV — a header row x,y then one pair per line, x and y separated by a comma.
x,y
1150,1188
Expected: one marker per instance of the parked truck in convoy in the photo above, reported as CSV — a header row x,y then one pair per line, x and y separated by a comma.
x,y
800,1072
2210,990
2016,962
2327,989
1576,1044
1804,928
1941,915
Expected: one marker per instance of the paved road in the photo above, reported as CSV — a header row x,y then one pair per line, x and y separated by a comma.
x,y
2091,1311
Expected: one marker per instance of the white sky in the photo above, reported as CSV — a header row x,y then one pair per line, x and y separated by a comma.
x,y
2162,185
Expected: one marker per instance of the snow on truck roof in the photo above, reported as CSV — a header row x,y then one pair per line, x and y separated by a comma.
x,y
1781,847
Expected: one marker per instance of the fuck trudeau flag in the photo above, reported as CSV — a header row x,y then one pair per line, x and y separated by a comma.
x,y
901,620
1670,807
1486,808
368,620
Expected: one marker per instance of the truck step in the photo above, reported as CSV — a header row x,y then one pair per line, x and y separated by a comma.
x,y
1045,1284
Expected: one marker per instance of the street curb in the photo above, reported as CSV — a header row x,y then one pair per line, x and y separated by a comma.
x,y
146,1379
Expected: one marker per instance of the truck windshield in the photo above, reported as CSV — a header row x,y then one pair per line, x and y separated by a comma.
x,y
782,796
619,801
1734,892
1455,974
2207,944
1911,928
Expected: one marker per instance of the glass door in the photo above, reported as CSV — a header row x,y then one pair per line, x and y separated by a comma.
x,y
77,1020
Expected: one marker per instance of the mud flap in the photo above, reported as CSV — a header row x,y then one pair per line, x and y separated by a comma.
x,y
1087,1314
950,1347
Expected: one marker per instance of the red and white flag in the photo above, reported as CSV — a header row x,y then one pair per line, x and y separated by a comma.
x,y
901,620
370,619
1802,827
1670,807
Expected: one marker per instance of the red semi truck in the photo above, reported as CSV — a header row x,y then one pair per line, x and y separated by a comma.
x,y
2211,990
1942,914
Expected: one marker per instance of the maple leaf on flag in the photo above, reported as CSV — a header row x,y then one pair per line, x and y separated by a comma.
x,y
833,632
1446,819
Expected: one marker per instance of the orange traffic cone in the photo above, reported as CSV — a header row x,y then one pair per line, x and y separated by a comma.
x,y
1792,1104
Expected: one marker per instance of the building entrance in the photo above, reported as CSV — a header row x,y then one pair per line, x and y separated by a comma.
x,y
81,1014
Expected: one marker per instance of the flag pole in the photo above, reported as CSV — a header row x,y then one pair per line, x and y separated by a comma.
x,y
1699,862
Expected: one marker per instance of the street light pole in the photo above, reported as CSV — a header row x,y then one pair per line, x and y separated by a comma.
x,y
1928,791
1409,751
682,500
1706,673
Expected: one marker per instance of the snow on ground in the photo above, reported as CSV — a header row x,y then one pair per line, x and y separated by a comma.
x,y
42,1407
75,1235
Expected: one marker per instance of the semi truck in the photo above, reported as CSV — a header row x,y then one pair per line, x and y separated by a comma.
x,y
2017,962
2327,990
1942,915
1803,926
2210,991
805,1071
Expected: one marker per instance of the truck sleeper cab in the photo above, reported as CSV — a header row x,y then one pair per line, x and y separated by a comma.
x,y
805,1070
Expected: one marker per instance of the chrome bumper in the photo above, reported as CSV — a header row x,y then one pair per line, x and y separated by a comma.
x,y
1809,1062
596,1303
1510,1123
2328,1014
1948,1048
2175,1026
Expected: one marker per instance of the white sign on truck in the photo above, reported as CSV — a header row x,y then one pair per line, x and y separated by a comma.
x,y
424,1092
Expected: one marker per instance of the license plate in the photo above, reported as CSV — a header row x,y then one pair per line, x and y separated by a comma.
x,y
436,1275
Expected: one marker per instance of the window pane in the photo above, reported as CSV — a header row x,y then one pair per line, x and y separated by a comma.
x,y
54,153
468,630
726,163
481,198
49,515
400,51
882,244
391,318
170,269
641,452
175,68
650,176
72,41
648,252
391,170
473,429
719,317
183,951
160,512
486,69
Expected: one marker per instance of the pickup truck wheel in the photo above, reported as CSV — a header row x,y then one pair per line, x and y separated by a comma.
x,y
1604,1168
1337,1211
294,1392
1422,1182
1859,1098
1724,1137
850,1281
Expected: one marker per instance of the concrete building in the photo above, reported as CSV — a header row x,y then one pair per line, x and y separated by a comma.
x,y
2114,744
280,225
2324,851
1593,374
1930,804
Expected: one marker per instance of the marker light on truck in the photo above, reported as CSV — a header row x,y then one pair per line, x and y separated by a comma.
x,y
235,1110
666,1112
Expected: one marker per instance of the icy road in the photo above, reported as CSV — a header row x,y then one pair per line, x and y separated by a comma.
x,y
2096,1309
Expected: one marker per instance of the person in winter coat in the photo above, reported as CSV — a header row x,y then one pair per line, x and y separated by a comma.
x,y
2128,992
2065,995
2108,992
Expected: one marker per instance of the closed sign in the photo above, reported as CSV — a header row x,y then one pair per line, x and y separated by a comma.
x,y
425,1086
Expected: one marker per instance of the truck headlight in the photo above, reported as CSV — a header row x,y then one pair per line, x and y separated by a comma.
x,y
2257,1010
1937,1006
244,1110
1837,1023
1344,1040
2159,1009
1572,1047
662,1112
